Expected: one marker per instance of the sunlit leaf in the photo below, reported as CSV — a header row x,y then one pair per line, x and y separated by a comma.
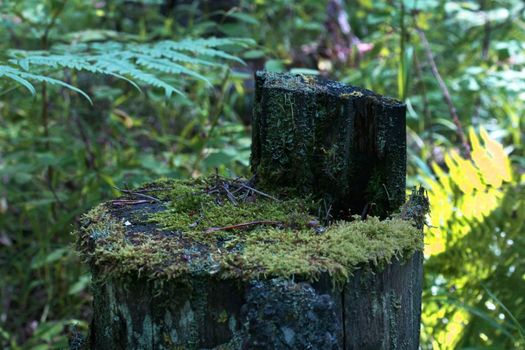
x,y
500,158
484,162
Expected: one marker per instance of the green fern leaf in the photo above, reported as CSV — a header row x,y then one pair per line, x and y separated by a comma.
x,y
51,81
138,64
7,72
166,66
23,78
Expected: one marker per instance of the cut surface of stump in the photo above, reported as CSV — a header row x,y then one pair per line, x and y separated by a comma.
x,y
218,264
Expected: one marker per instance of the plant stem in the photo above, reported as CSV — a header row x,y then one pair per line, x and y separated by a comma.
x,y
45,105
485,46
446,93
214,118
427,120
402,64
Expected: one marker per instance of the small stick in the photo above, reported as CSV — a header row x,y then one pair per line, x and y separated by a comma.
x,y
137,194
387,194
230,196
155,189
259,192
242,225
129,201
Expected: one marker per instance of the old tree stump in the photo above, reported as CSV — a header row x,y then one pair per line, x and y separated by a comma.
x,y
219,263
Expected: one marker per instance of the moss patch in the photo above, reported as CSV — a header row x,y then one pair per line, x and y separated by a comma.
x,y
228,229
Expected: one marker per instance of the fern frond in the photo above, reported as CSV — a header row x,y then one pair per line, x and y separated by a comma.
x,y
219,42
134,62
174,56
23,78
106,65
468,193
166,66
12,74
198,49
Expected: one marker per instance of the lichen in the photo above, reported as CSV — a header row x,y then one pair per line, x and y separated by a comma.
x,y
352,94
191,230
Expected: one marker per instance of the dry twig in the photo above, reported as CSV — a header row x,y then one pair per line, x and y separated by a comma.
x,y
236,190
243,225
137,194
130,201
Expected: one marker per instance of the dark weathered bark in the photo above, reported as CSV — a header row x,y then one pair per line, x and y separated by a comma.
x,y
375,310
343,144
383,311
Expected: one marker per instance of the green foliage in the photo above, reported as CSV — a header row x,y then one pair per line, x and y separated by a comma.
x,y
473,246
124,60
23,77
60,156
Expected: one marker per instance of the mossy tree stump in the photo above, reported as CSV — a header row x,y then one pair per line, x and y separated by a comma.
x,y
234,264
342,144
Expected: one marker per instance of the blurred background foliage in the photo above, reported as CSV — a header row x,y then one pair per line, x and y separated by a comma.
x,y
458,65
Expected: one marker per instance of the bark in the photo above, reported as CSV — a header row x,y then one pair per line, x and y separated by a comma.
x,y
345,145
376,309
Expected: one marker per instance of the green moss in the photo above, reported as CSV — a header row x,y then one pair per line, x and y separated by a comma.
x,y
197,212
199,232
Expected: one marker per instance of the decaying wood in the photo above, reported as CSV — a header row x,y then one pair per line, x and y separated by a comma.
x,y
342,145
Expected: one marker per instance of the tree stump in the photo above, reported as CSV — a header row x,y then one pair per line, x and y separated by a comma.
x,y
221,263
343,144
